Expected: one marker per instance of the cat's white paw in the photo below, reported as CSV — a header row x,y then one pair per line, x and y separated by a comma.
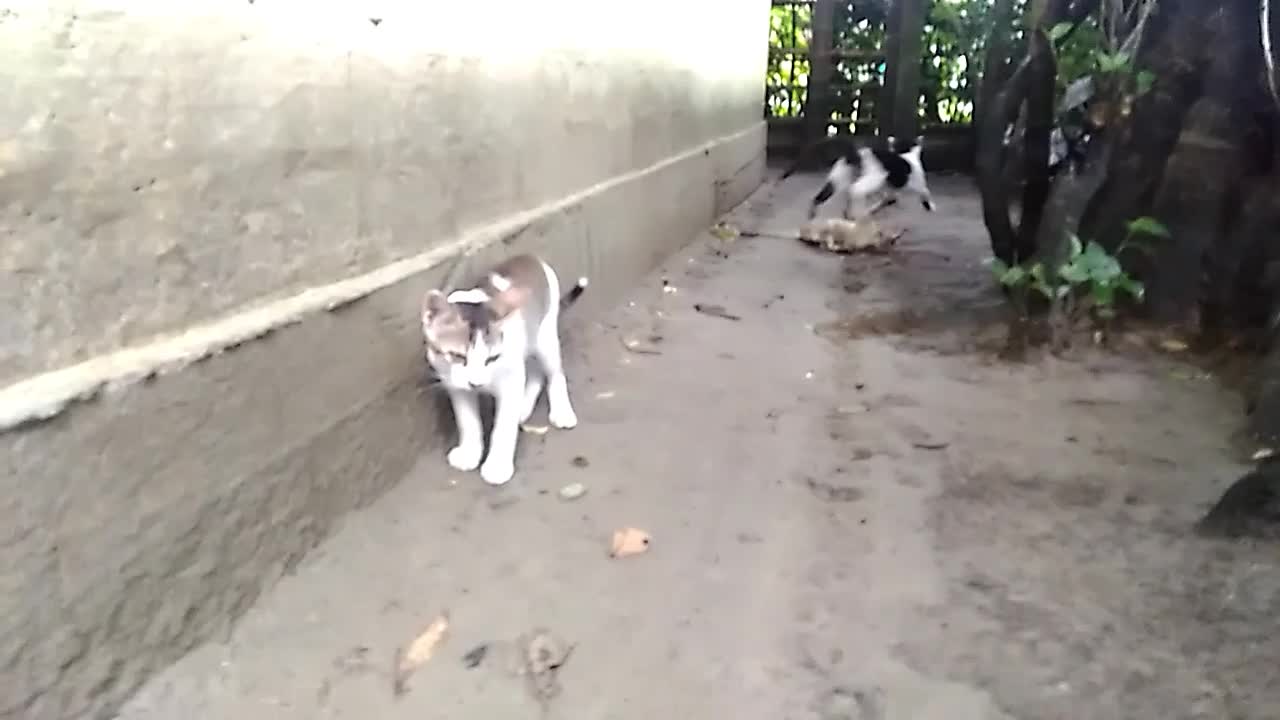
x,y
563,417
497,472
465,457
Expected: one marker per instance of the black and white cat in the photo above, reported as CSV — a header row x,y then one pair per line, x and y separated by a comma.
x,y
862,171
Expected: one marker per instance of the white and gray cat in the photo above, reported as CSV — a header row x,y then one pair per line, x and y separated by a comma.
x,y
501,337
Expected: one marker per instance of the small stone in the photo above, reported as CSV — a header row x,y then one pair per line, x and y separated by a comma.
x,y
580,462
573,491
476,656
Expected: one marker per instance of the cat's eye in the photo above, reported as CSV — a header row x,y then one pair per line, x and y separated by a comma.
x,y
457,357
490,360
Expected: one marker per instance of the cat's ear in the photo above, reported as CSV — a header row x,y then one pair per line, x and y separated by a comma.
x,y
433,303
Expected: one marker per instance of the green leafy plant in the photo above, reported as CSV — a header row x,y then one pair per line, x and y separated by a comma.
x,y
1099,273
1085,53
1088,282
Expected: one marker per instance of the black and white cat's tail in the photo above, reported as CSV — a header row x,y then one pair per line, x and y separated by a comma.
x,y
574,293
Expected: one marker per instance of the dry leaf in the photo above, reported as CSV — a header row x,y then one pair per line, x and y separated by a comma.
x,y
1263,454
629,541
724,231
419,651
1173,345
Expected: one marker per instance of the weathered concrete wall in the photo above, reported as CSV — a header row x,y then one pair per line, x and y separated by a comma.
x,y
167,165
164,162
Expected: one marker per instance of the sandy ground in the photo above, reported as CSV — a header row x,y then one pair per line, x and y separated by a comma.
x,y
857,511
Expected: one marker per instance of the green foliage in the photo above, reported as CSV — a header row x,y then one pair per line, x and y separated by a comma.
x,y
1099,273
1076,50
1147,226
859,34
1089,278
1083,50
952,53
951,59
787,74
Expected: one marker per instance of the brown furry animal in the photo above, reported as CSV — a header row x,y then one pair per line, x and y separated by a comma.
x,y
842,236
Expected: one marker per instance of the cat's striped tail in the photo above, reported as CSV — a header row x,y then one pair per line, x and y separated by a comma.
x,y
574,293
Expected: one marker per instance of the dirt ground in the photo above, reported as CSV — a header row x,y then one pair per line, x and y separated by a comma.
x,y
858,512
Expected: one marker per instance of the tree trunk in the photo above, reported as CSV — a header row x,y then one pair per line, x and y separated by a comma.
x,y
1237,293
1069,197
990,122
1034,81
1043,72
1256,299
1177,38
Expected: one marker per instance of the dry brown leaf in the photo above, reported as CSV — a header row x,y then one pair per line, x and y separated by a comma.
x,y
629,541
1173,345
419,651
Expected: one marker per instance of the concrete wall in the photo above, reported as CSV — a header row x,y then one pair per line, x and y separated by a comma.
x,y
218,219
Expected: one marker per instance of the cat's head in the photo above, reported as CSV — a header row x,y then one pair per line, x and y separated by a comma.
x,y
464,337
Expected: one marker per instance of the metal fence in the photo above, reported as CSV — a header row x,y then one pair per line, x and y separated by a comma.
x,y
887,67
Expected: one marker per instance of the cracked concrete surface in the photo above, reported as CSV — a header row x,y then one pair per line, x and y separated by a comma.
x,y
857,512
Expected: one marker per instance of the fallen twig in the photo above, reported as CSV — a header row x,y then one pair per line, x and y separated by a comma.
x,y
1095,401
715,311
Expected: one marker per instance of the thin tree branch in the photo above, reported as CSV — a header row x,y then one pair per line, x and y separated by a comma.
x,y
1268,52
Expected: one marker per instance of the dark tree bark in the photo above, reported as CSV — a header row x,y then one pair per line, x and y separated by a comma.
x,y
1249,508
1231,293
1042,73
995,94
1174,49
1069,196
1000,101
1200,152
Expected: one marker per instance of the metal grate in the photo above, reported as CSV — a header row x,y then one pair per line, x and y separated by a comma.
x,y
857,67
787,82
